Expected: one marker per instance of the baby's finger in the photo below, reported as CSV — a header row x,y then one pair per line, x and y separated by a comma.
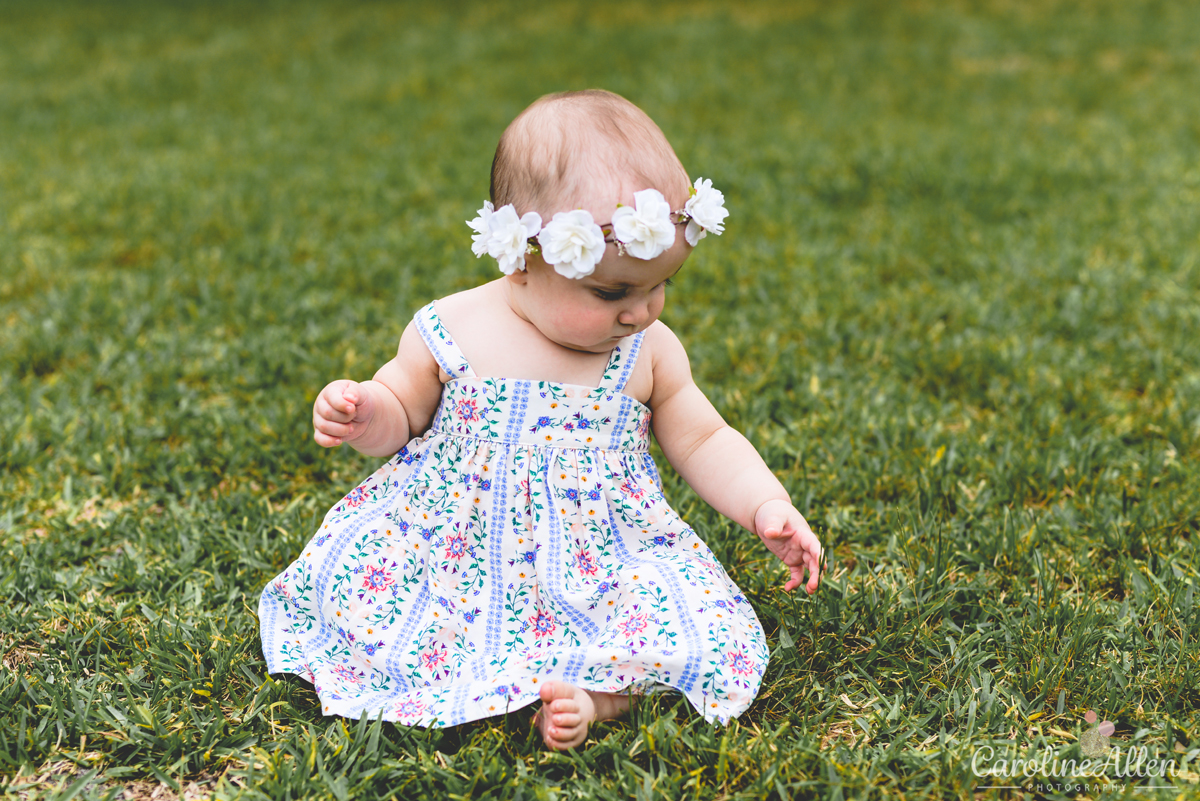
x,y
773,526
326,410
351,395
813,561
334,429
326,441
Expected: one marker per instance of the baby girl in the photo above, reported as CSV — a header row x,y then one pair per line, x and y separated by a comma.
x,y
516,545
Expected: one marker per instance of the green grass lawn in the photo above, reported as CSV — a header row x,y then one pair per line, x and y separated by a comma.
x,y
956,307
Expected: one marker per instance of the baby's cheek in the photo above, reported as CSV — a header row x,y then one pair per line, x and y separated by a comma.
x,y
657,302
582,319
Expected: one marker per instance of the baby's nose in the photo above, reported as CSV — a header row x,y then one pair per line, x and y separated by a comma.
x,y
635,315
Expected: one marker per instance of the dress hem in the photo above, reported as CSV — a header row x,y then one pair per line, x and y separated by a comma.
x,y
516,705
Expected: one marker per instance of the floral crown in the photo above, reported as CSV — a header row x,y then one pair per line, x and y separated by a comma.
x,y
574,244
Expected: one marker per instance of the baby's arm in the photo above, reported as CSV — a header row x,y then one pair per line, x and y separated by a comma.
x,y
722,466
379,416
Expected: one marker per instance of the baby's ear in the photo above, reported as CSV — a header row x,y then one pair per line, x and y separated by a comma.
x,y
518,277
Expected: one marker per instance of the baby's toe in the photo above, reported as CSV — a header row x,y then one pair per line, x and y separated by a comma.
x,y
566,720
564,705
565,738
556,690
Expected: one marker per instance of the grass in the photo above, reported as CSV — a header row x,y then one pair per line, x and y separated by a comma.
x,y
955,308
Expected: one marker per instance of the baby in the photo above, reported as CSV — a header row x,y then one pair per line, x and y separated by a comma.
x,y
516,545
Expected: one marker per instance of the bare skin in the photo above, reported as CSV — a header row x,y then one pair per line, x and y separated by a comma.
x,y
567,711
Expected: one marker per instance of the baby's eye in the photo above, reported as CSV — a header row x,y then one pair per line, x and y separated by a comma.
x,y
609,294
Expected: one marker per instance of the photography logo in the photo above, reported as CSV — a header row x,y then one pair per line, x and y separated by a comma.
x,y
1104,765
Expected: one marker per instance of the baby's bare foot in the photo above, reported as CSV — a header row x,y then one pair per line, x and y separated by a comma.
x,y
567,710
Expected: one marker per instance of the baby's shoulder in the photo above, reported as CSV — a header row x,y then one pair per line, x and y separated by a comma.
x,y
662,360
664,348
660,338
470,308
466,302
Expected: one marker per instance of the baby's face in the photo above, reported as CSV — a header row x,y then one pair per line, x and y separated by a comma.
x,y
622,297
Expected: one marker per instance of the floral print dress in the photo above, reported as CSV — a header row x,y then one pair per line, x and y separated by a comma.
x,y
523,538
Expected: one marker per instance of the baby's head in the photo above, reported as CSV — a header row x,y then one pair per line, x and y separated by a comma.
x,y
584,150
588,203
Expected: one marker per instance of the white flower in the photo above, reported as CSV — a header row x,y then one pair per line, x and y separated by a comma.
x,y
706,212
481,226
503,235
646,230
573,243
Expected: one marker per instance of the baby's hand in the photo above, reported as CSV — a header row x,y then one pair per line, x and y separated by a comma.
x,y
341,413
787,535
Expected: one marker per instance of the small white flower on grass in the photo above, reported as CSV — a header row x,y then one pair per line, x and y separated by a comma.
x,y
572,243
646,229
705,210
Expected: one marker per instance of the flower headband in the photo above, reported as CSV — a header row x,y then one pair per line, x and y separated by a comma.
x,y
574,244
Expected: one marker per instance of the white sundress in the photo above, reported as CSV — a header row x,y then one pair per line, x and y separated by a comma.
x,y
523,538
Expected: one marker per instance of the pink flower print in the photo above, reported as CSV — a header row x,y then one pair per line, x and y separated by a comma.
x,y
525,489
543,624
739,663
434,657
586,563
456,546
467,410
632,490
377,579
347,673
408,710
635,624
643,426
356,497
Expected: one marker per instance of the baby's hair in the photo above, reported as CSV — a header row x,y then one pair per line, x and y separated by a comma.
x,y
568,146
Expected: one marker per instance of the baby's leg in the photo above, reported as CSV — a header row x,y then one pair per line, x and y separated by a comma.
x,y
567,710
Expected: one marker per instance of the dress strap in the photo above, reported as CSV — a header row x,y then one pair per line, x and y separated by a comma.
x,y
441,344
621,362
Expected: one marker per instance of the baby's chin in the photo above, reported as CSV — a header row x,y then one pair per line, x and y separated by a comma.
x,y
603,346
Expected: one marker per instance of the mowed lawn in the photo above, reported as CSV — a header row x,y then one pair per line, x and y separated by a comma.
x,y
956,307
